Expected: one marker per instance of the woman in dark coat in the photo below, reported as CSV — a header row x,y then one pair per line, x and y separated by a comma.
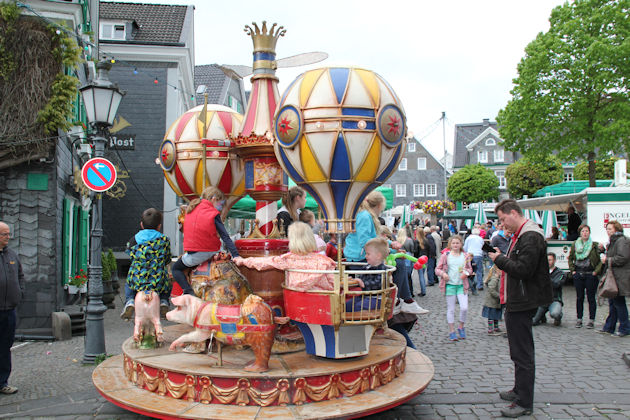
x,y
617,259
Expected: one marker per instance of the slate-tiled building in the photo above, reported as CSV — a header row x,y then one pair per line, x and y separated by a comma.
x,y
153,49
223,86
420,176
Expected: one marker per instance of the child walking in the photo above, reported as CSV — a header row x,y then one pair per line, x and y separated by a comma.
x,y
492,305
150,253
453,270
203,232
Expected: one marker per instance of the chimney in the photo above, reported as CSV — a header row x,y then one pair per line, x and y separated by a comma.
x,y
486,122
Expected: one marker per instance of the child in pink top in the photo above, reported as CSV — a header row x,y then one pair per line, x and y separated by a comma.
x,y
302,255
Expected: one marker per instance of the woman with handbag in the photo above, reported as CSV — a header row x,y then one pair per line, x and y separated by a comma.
x,y
617,259
585,265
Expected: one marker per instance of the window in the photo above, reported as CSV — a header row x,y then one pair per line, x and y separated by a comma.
x,y
418,190
482,156
499,155
112,31
401,190
501,176
491,142
422,164
235,104
403,164
411,147
568,176
431,190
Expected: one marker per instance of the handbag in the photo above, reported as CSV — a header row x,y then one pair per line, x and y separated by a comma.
x,y
608,285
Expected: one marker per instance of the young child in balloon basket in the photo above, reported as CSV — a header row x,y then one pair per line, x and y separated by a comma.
x,y
203,231
150,253
492,305
303,255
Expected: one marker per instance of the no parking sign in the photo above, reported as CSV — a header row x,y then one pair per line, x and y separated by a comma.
x,y
98,174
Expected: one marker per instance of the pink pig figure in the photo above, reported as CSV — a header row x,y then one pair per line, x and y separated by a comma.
x,y
147,312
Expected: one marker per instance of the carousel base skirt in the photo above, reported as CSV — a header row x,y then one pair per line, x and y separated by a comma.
x,y
169,385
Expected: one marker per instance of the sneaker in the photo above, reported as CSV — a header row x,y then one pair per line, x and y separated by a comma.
x,y
452,336
590,324
397,307
557,322
498,330
8,390
578,324
619,334
163,308
128,310
514,410
508,395
603,332
462,333
413,308
490,331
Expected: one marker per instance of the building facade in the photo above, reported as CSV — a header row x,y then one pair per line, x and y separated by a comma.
x,y
420,176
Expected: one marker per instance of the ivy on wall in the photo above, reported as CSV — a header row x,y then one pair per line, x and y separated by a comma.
x,y
37,94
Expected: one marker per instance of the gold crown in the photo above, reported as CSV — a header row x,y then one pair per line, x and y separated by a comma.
x,y
265,41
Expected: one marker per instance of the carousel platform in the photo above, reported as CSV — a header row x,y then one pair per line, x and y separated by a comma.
x,y
174,385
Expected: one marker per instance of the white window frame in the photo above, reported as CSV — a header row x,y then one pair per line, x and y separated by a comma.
x,y
499,155
491,142
431,190
424,166
402,166
567,176
401,190
108,30
418,190
501,177
482,156
411,147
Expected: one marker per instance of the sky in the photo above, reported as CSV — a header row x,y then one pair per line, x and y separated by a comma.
x,y
457,57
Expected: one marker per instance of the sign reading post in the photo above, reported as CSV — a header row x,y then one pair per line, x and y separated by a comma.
x,y
98,174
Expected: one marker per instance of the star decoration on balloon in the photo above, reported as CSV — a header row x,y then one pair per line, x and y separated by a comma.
x,y
288,126
394,125
391,125
284,126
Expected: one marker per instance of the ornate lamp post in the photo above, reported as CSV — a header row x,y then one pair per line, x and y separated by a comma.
x,y
101,99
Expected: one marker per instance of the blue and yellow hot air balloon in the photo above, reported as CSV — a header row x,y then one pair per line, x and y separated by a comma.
x,y
340,133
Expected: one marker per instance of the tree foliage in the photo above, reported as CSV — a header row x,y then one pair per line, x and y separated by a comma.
x,y
572,93
527,176
473,184
604,169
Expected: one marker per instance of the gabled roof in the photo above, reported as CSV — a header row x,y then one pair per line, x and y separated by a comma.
x,y
157,23
464,134
215,77
438,161
485,133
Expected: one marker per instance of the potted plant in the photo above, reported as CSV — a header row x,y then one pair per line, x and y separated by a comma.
x,y
77,283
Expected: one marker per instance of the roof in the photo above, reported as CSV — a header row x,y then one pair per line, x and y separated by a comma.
x,y
469,213
569,187
214,77
156,23
464,134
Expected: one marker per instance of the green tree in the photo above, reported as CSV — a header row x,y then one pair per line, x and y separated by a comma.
x,y
473,184
527,176
604,169
572,93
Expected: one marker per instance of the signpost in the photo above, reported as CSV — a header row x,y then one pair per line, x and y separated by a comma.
x,y
98,174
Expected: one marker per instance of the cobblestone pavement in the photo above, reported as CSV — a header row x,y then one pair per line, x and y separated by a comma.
x,y
579,372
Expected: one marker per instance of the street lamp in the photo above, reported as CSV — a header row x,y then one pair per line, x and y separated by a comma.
x,y
101,99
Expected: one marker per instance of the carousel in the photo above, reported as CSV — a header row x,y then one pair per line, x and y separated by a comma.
x,y
271,351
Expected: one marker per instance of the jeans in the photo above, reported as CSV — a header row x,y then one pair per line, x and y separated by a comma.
x,y
589,282
555,312
617,311
8,320
130,295
431,271
422,281
479,271
401,329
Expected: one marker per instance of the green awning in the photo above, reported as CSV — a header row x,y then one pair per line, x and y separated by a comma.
x,y
569,187
467,214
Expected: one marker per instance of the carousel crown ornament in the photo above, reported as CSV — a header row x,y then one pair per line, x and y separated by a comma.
x,y
340,133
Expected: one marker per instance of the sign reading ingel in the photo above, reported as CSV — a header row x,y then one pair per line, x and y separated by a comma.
x,y
127,142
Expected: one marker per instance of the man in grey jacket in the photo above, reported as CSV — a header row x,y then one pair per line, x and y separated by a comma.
x,y
11,291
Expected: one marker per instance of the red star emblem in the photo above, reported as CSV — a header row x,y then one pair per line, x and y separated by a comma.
x,y
284,126
165,155
393,125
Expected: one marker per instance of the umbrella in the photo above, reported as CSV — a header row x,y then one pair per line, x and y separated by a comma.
x,y
480,216
549,220
532,215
